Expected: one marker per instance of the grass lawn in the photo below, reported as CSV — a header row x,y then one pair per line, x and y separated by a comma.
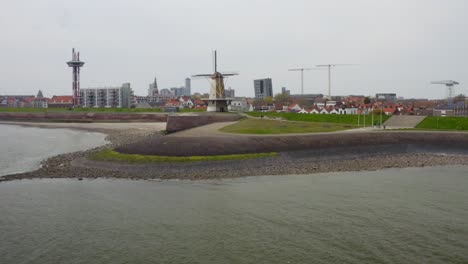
x,y
112,155
265,126
444,123
339,119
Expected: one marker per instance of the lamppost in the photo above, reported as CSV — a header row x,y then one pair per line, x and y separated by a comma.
x,y
358,118
381,111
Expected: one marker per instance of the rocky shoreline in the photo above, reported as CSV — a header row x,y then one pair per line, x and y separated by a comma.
x,y
355,158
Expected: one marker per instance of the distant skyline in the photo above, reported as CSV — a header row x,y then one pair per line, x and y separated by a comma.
x,y
397,46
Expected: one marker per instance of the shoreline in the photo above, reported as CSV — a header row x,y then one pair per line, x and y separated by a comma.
x,y
340,159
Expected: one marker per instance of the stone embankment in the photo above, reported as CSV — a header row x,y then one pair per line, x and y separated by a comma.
x,y
206,144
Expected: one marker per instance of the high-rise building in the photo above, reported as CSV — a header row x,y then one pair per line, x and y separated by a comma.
x,y
285,91
188,87
107,96
167,93
126,93
229,93
263,88
386,97
153,88
180,91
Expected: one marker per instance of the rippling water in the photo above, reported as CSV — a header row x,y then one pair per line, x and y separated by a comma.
x,y
415,215
23,148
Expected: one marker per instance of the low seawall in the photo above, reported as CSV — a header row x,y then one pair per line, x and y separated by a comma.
x,y
83,117
182,122
203,145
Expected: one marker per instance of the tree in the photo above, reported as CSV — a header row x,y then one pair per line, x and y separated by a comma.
x,y
258,102
282,98
377,111
367,100
268,100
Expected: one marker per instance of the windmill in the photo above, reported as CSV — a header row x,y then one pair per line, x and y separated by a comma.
x,y
329,66
450,89
217,101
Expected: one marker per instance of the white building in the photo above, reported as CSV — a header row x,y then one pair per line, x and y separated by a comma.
x,y
229,93
117,97
239,104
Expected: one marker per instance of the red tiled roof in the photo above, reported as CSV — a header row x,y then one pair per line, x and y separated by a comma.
x,y
61,99
29,99
293,105
173,102
199,102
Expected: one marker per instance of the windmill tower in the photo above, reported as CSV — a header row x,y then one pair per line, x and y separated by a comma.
x,y
217,101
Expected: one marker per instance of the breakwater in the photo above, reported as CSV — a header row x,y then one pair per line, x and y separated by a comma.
x,y
240,144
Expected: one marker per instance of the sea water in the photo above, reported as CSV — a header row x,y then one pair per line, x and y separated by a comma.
x,y
23,148
415,215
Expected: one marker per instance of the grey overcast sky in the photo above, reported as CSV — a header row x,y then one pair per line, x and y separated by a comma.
x,y
397,45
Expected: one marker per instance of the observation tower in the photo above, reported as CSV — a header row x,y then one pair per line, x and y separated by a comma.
x,y
76,64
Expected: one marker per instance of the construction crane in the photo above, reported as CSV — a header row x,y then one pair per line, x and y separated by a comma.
x,y
302,76
450,88
329,66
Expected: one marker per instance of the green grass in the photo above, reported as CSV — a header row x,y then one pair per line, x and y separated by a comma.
x,y
265,126
112,155
339,119
185,110
444,123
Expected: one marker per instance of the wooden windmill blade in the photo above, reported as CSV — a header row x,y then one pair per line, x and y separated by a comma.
x,y
230,73
202,75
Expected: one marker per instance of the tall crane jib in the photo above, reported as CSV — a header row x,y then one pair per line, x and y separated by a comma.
x,y
449,84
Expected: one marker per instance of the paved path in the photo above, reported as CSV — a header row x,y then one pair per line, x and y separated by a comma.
x,y
398,121
212,130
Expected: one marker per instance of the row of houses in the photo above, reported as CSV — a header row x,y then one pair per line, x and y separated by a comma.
x,y
239,104
36,101
123,97
339,108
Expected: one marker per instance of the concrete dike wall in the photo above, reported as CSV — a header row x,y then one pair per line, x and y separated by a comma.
x,y
182,122
340,143
83,117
